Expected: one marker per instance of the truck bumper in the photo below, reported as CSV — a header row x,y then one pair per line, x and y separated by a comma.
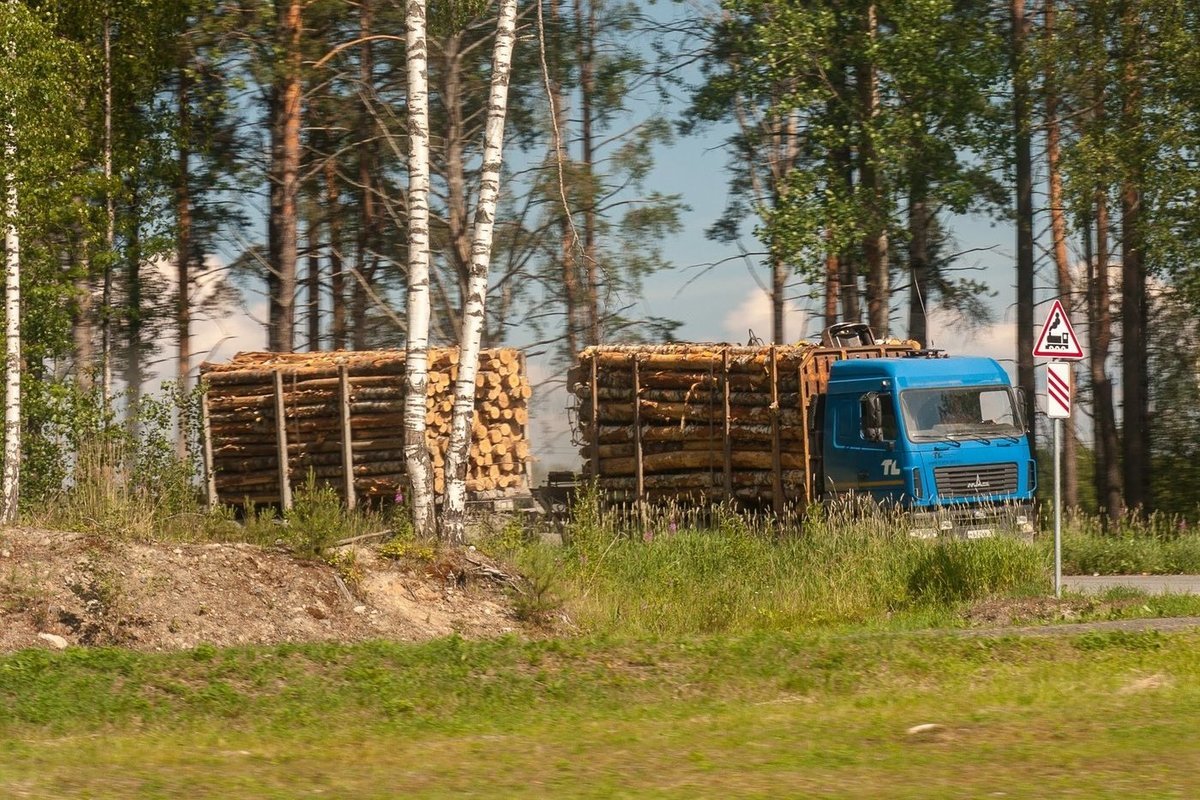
x,y
973,522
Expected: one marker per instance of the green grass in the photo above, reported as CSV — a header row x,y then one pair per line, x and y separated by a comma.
x,y
717,657
769,714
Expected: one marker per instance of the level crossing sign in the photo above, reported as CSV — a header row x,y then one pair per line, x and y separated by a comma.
x,y
1058,391
1058,339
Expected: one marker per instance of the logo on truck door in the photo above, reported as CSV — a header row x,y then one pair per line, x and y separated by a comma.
x,y
891,466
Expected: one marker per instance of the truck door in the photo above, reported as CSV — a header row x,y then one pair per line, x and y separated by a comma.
x,y
861,456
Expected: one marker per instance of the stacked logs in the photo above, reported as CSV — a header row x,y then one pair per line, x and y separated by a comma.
x,y
711,422
323,396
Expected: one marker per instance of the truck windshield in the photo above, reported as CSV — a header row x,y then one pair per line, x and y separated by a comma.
x,y
960,412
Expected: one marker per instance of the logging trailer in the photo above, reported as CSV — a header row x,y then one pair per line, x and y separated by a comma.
x,y
785,426
777,427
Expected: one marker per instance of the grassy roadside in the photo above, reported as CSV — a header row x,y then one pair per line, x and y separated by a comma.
x,y
1098,716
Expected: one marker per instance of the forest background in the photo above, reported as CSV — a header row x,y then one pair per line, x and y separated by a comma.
x,y
215,172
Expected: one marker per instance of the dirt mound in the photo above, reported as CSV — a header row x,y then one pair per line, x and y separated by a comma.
x,y
85,589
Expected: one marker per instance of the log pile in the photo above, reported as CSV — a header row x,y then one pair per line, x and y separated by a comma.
x,y
323,396
711,422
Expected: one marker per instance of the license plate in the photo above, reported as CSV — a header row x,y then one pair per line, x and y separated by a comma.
x,y
979,533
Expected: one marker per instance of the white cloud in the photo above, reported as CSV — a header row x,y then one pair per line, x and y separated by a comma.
x,y
997,340
753,313
215,336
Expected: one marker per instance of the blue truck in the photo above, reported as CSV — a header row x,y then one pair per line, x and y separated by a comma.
x,y
849,418
943,437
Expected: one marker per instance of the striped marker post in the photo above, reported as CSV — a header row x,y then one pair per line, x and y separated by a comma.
x,y
1058,408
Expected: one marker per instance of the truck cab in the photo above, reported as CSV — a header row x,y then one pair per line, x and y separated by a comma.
x,y
941,437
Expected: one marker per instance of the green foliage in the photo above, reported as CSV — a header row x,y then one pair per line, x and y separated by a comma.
x,y
317,519
734,573
1160,544
789,76
85,471
954,571
405,547
540,593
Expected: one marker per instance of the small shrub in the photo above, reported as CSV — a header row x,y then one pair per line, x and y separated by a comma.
x,y
24,592
316,520
345,563
540,594
405,548
504,539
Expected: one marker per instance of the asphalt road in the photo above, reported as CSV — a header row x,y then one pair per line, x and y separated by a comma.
x,y
1151,584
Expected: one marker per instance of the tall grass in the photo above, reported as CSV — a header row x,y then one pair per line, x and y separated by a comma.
x,y
739,574
1158,544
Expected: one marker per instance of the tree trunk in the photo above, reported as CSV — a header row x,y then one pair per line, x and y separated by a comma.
x,y
110,216
585,32
366,259
11,488
183,246
779,273
82,330
833,277
458,214
848,279
918,259
560,120
875,243
134,377
1024,174
337,277
454,519
313,281
417,459
1135,377
1107,473
1058,230
285,181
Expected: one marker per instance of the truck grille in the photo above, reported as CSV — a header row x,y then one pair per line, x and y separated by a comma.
x,y
976,480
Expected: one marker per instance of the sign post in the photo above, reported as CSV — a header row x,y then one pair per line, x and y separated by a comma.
x,y
1058,341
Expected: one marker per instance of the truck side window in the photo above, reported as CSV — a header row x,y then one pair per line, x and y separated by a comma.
x,y
878,417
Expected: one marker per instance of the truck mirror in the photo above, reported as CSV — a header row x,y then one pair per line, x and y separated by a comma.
x,y
872,417
1019,397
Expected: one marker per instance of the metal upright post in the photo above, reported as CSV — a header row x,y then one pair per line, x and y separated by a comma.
x,y
1057,507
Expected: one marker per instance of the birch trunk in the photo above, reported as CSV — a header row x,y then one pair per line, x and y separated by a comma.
x,y
12,344
11,488
416,369
109,224
454,512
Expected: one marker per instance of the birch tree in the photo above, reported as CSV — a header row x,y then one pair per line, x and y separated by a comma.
x,y
473,318
416,451
10,489
37,107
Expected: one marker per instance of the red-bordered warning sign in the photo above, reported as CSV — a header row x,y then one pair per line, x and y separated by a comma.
x,y
1058,390
1058,339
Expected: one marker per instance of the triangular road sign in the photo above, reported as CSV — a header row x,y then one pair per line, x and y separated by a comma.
x,y
1058,339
